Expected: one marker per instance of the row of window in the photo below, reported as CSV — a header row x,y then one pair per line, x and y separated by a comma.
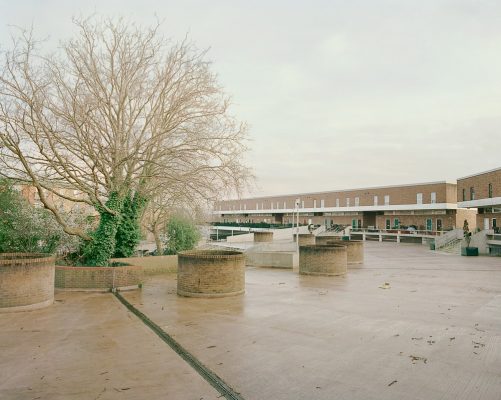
x,y
472,192
300,204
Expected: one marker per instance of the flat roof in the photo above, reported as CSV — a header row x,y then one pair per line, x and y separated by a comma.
x,y
481,173
344,190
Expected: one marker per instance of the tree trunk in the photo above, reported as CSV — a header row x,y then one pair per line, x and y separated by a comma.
x,y
158,242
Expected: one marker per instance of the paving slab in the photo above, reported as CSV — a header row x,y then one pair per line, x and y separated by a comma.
x,y
409,323
88,346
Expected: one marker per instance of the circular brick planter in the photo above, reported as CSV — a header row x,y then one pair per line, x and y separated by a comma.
x,y
98,278
354,250
210,273
304,239
26,281
327,260
263,237
327,239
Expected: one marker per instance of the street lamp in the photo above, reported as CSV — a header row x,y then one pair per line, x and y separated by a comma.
x,y
297,224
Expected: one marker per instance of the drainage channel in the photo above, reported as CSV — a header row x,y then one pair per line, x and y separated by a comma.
x,y
215,381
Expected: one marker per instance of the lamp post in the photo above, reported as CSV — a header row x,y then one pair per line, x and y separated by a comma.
x,y
297,224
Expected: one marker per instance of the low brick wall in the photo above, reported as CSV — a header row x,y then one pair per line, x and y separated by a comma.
x,y
354,250
328,260
326,239
26,281
210,273
304,238
152,265
263,237
98,278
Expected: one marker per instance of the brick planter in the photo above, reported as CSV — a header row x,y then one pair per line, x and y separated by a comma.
x,y
304,238
263,237
327,260
26,281
354,250
210,273
98,278
327,239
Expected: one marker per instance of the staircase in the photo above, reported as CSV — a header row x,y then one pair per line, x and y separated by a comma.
x,y
450,242
452,247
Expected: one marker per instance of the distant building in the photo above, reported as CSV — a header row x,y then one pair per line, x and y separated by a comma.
x,y
427,206
483,192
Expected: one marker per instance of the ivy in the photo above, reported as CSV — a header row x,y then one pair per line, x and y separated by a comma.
x,y
129,230
101,248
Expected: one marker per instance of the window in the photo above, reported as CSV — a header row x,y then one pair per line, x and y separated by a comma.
x,y
494,223
375,200
472,193
262,206
322,203
357,201
429,224
439,224
245,206
387,200
396,223
490,190
314,203
257,206
433,197
419,198
388,224
464,194
271,205
337,202
348,202
302,204
285,205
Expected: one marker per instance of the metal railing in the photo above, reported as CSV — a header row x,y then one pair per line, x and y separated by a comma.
x,y
398,231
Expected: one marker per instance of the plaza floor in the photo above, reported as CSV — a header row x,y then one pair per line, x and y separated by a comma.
x,y
434,332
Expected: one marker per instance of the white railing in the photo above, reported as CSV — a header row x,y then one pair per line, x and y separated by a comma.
x,y
448,237
398,231
319,230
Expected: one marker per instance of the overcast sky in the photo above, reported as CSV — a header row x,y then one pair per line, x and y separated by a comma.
x,y
338,94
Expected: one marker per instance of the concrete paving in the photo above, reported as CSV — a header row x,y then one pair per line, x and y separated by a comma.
x,y
433,333
88,346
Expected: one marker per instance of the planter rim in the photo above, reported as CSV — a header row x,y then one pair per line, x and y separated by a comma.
x,y
96,267
25,258
211,254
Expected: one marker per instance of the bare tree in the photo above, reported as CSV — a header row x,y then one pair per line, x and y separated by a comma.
x,y
120,113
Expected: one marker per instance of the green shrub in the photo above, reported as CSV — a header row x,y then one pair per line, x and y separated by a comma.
x,y
182,234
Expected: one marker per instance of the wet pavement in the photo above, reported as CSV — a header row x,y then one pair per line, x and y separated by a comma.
x,y
407,324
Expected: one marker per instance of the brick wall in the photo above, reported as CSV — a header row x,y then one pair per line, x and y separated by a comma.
x,y
480,184
263,237
323,260
210,273
26,281
152,265
97,277
403,194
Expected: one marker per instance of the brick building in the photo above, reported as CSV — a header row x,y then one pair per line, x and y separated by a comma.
x,y
482,191
427,206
